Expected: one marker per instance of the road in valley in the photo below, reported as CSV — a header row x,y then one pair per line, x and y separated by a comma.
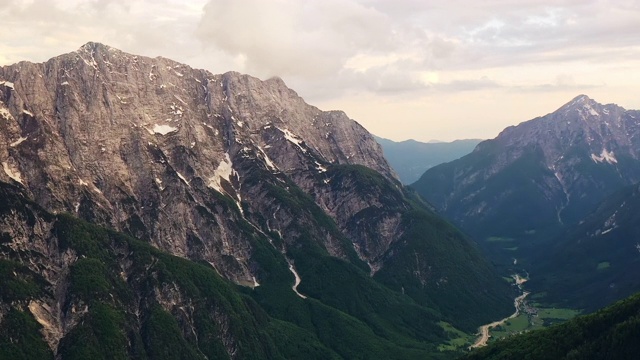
x,y
485,329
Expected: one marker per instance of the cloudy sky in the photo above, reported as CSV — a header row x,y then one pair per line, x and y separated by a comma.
x,y
422,69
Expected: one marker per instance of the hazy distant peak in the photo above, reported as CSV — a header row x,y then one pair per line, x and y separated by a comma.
x,y
93,46
584,101
581,98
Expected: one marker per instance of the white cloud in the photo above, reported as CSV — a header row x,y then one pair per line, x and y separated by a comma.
x,y
294,38
401,53
52,27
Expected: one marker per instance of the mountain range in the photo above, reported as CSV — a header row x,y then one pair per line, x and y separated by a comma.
x,y
538,177
151,210
411,158
157,211
555,198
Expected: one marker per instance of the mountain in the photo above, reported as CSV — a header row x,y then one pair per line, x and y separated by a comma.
x,y
594,263
410,158
534,178
96,293
259,209
611,333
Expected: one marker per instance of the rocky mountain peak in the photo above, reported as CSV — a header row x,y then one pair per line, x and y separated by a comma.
x,y
579,100
588,109
562,163
114,138
95,46
580,122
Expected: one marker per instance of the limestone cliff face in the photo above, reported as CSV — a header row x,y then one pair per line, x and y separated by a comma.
x,y
154,147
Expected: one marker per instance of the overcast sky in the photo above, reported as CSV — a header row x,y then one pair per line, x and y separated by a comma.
x,y
422,69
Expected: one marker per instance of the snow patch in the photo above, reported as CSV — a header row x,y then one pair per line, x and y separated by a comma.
x,y
12,172
27,112
159,182
5,114
605,155
591,110
223,171
176,110
293,138
17,142
320,168
65,83
216,132
7,84
179,99
182,178
163,129
121,99
92,61
268,161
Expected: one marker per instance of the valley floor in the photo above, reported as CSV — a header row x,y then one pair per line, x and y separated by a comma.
x,y
529,315
484,329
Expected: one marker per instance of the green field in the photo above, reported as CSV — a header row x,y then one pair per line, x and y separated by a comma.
x,y
525,322
512,326
547,317
458,340
499,239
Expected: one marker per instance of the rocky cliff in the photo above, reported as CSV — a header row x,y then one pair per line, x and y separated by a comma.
x,y
142,145
238,175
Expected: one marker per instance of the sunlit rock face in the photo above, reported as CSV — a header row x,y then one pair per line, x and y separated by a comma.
x,y
150,146
237,174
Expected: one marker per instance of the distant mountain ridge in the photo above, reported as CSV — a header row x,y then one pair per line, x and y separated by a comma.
x,y
411,158
541,174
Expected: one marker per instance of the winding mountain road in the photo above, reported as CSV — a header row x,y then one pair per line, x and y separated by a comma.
x,y
485,329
